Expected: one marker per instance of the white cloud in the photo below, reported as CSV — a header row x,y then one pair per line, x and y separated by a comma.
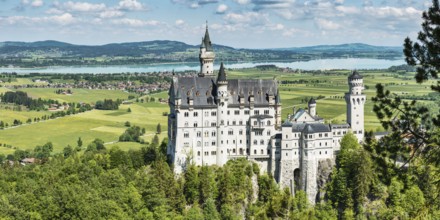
x,y
63,19
348,9
132,5
243,2
389,11
111,13
179,22
221,9
324,24
135,22
83,6
37,3
54,11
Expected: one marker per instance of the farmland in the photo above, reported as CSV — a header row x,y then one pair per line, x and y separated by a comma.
x,y
295,89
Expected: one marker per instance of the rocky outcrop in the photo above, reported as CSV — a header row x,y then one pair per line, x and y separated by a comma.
x,y
325,168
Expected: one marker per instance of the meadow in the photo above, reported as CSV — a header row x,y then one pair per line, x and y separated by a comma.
x,y
109,125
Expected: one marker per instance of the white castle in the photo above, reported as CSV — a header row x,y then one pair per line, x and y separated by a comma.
x,y
214,119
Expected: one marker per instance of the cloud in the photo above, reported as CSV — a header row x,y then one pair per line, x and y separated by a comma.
x,y
324,24
221,9
111,13
243,2
63,19
272,4
37,3
135,22
83,6
179,22
131,5
194,4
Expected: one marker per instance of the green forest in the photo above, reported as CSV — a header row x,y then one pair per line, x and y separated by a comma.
x,y
100,183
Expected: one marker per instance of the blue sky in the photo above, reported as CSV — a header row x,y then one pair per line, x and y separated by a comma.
x,y
237,23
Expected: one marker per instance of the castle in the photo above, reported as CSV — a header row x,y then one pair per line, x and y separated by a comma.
x,y
214,119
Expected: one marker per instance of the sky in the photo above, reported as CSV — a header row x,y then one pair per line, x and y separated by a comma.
x,y
236,23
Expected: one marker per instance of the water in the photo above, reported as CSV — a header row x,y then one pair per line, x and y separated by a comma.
x,y
322,64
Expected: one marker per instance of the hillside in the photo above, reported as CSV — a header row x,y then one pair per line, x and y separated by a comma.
x,y
54,53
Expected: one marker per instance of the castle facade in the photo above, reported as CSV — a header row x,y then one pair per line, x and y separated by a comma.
x,y
214,119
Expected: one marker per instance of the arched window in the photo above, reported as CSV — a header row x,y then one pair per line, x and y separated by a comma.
x,y
255,142
199,134
262,142
268,122
199,143
206,133
186,124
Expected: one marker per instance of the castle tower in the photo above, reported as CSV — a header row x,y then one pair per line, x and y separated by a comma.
x,y
206,56
355,99
222,117
312,107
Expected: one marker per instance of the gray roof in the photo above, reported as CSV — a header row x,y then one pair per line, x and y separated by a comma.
x,y
202,45
355,75
221,74
316,128
204,89
312,101
207,40
310,128
339,126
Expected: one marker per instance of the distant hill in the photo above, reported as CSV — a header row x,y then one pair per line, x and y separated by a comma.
x,y
50,53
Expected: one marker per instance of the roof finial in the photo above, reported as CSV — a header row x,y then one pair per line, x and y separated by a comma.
x,y
206,24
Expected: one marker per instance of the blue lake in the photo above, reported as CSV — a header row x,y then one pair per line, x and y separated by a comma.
x,y
322,64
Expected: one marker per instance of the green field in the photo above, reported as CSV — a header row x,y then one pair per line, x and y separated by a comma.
x,y
106,125
109,125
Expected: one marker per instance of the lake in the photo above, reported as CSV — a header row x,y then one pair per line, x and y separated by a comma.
x,y
322,64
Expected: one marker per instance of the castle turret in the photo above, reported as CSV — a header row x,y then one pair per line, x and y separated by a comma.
x,y
222,117
356,99
206,56
312,107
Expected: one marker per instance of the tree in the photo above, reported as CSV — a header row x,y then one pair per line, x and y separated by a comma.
x,y
425,53
67,151
158,129
79,142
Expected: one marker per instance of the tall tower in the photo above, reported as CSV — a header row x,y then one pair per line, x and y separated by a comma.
x,y
222,117
206,56
356,99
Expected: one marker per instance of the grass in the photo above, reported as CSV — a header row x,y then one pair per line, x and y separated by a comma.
x,y
89,125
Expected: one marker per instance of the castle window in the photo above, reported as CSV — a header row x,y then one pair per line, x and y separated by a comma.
x,y
246,112
262,151
213,133
186,114
255,142
199,144
255,151
196,114
198,153
228,112
240,122
237,112
206,134
213,113
199,134
261,142
186,124
213,124
195,124
256,112
310,136
268,133
326,134
222,122
206,144
206,114
268,122
230,132
233,151
295,152
207,153
325,152
240,132
241,141
319,152
255,123
186,134
320,135
213,143
186,144
266,112
233,122
213,152
206,123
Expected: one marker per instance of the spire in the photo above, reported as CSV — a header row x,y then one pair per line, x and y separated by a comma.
x,y
312,101
277,97
203,43
355,75
178,93
207,40
221,74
